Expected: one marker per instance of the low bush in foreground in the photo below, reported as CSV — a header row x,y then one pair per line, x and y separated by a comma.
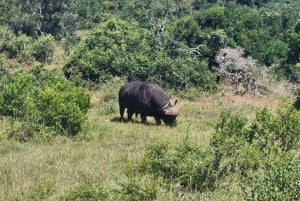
x,y
260,153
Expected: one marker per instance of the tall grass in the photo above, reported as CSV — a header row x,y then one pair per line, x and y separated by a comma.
x,y
92,166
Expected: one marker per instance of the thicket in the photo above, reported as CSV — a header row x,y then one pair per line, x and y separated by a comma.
x,y
177,48
173,42
261,153
41,102
120,48
26,49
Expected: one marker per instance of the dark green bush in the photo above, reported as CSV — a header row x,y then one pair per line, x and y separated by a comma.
x,y
44,98
18,44
267,135
14,91
279,182
62,106
139,188
240,148
188,166
119,48
26,49
43,48
115,48
6,35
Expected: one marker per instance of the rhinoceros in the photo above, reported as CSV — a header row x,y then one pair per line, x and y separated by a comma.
x,y
147,99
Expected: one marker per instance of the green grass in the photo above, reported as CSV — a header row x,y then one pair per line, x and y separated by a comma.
x,y
92,165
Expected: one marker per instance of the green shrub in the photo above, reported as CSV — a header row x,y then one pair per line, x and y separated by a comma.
x,y
257,148
188,166
240,148
26,49
62,106
267,135
43,100
6,35
14,91
43,48
119,48
18,44
85,192
139,188
280,181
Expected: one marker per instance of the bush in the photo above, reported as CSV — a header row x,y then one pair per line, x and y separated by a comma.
x,y
18,44
119,48
26,49
14,90
267,135
240,148
6,35
279,182
188,166
139,188
43,48
62,106
43,98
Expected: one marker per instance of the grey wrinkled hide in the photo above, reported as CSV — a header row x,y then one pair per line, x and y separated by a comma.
x,y
147,99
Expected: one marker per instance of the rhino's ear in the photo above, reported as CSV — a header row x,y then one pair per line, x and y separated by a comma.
x,y
172,111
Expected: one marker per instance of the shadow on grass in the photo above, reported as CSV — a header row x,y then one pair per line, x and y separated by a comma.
x,y
119,120
297,103
134,121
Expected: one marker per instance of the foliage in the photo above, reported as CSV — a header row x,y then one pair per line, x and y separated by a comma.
x,y
267,135
119,48
43,48
6,35
137,188
86,192
44,98
178,29
188,166
26,50
280,182
242,147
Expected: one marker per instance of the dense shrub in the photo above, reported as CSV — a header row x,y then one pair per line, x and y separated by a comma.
x,y
139,188
115,48
62,106
27,49
14,90
265,136
188,166
44,98
123,49
6,35
240,148
43,48
17,45
280,181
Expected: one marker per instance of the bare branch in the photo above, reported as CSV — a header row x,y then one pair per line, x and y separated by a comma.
x,y
195,50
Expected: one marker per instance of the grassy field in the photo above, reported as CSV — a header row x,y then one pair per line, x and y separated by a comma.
x,y
94,162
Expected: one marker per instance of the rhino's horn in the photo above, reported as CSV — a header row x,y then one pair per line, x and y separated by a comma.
x,y
172,111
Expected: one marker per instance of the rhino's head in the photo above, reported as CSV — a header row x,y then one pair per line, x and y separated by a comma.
x,y
170,113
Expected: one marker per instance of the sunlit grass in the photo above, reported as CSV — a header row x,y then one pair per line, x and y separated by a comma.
x,y
98,156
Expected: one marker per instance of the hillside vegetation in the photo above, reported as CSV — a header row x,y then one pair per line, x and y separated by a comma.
x,y
233,66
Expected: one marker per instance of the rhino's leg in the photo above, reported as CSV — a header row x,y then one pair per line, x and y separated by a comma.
x,y
144,118
122,109
129,114
157,119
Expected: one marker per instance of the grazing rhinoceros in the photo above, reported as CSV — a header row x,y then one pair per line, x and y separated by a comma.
x,y
147,99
